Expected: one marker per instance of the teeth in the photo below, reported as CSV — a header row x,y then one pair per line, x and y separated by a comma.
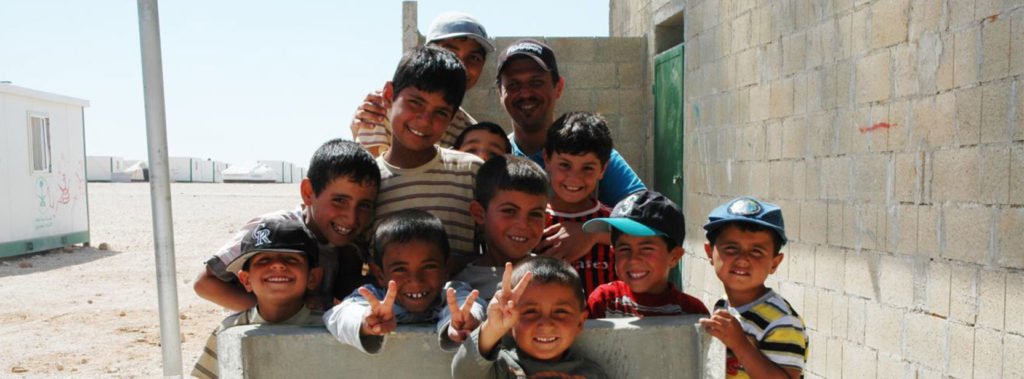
x,y
416,295
637,275
517,239
545,340
416,132
278,279
342,230
572,189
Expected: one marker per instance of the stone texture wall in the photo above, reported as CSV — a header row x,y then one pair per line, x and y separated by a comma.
x,y
890,131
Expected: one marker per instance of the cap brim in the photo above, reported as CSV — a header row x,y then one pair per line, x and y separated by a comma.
x,y
236,265
476,37
714,225
625,225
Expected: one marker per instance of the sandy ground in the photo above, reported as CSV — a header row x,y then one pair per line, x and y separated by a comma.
x,y
92,313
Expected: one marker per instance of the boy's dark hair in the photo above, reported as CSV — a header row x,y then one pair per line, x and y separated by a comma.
x,y
485,126
431,69
509,173
669,242
747,227
551,270
340,158
406,226
578,133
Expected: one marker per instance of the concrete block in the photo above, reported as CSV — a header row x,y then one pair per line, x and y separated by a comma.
x,y
934,119
925,16
1013,349
794,53
759,179
994,175
781,180
824,323
740,32
988,353
1017,45
845,83
907,179
966,60
944,74
620,49
874,80
800,91
900,113
746,67
896,282
995,49
892,366
809,307
929,227
840,315
760,105
794,134
903,229
937,289
859,37
987,8
812,181
800,261
829,267
967,233
884,328
992,299
870,177
858,135
819,137
836,180
861,275
968,115
1015,302
861,229
955,176
834,361
1018,116
799,177
856,321
1011,240
828,91
961,350
889,22
630,75
905,70
812,227
859,361
771,64
835,223
590,75
963,295
925,340
580,49
781,99
680,350
995,105
960,12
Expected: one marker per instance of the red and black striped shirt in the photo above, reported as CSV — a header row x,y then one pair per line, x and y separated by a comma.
x,y
598,266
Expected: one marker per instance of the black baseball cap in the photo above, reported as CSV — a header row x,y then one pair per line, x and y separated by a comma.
x,y
536,50
645,213
277,236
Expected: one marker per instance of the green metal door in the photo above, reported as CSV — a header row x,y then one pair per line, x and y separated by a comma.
x,y
668,132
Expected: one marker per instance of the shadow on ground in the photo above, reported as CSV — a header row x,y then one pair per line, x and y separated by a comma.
x,y
51,259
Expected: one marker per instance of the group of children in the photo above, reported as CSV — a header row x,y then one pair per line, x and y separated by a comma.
x,y
455,239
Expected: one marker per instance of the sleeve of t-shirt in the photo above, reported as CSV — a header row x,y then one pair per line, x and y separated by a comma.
x,y
218,263
377,135
596,303
619,181
346,319
478,310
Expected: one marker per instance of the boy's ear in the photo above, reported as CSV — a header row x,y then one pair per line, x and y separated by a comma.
x,y
378,274
243,277
676,254
776,261
707,250
477,211
389,92
306,189
316,274
604,168
583,318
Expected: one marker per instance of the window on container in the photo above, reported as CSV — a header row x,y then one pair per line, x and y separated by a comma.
x,y
39,130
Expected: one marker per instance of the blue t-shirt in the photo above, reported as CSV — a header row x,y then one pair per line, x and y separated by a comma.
x,y
618,182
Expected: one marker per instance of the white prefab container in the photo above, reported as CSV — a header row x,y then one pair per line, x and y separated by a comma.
x,y
218,171
249,173
283,170
298,173
44,197
134,171
192,170
102,168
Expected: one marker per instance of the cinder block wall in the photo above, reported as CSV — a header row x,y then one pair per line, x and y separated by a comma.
x,y
890,131
602,74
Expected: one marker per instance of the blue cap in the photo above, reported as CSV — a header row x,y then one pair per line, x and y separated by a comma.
x,y
750,210
457,24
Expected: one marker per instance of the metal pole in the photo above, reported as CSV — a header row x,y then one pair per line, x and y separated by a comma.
x,y
159,186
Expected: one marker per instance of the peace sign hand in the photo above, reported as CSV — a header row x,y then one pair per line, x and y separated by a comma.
x,y
381,318
502,308
462,321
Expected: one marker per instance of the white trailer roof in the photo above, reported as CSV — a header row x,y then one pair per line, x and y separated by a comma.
x,y
27,92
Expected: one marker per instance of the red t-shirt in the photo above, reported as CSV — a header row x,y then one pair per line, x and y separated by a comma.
x,y
615,299
598,266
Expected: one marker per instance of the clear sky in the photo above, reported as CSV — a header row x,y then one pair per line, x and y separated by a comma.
x,y
244,80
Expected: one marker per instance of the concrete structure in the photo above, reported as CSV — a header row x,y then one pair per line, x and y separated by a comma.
x,y
43,198
195,170
602,74
890,131
103,168
283,171
657,347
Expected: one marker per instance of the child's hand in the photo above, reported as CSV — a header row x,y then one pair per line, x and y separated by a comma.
x,y
566,241
462,322
381,318
371,113
501,312
724,326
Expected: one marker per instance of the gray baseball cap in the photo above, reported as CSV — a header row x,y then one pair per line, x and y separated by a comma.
x,y
457,24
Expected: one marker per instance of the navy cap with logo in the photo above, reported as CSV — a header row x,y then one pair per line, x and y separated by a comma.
x,y
750,210
645,213
457,24
534,49
277,236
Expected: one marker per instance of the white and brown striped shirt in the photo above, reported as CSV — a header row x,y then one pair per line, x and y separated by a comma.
x,y
443,187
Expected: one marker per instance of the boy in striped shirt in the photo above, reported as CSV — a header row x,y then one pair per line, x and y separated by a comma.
x,y
764,335
576,155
